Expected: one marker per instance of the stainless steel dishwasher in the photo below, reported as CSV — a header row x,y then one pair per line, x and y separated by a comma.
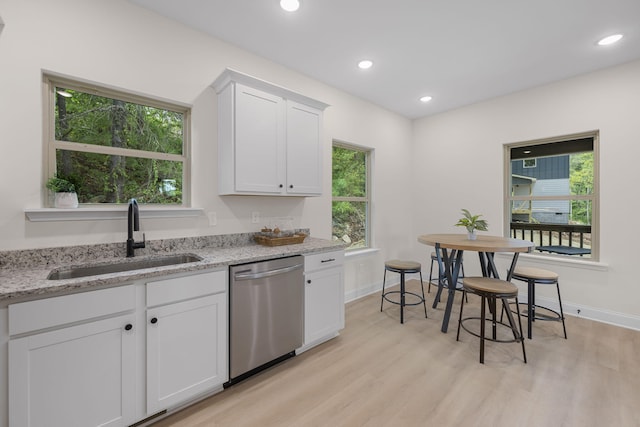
x,y
266,314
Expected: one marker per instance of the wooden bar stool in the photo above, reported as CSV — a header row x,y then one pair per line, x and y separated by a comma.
x,y
402,268
490,290
533,277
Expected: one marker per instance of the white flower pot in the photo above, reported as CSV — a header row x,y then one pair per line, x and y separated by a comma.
x,y
66,200
471,235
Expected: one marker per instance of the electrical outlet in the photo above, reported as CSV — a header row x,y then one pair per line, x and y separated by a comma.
x,y
213,219
255,217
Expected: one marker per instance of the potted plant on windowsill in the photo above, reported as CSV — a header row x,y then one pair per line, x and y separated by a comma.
x,y
65,192
472,223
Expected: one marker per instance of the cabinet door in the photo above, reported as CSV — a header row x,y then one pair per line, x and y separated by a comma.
x,y
186,350
304,149
76,376
259,141
324,304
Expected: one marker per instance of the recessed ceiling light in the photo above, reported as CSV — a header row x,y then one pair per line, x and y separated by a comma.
x,y
365,64
290,5
610,39
527,151
64,93
426,98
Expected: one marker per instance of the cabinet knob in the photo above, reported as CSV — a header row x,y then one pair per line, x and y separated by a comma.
x,y
291,186
128,327
281,186
154,320
309,281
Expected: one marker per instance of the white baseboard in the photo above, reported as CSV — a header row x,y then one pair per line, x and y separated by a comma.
x,y
570,309
591,313
363,292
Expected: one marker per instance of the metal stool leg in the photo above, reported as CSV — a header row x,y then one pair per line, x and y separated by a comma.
x,y
517,335
402,298
524,354
482,327
561,312
430,276
531,304
384,280
460,317
424,301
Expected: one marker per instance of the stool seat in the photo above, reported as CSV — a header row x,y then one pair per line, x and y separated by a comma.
x,y
403,267
400,265
535,273
489,285
490,291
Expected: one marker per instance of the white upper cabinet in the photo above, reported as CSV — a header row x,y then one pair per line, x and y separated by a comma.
x,y
269,138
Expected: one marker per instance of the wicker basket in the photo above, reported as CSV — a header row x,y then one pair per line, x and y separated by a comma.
x,y
279,241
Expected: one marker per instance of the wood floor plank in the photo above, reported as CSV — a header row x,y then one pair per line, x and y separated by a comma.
x,y
381,373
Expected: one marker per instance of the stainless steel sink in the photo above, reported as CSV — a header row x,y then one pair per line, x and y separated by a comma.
x,y
119,267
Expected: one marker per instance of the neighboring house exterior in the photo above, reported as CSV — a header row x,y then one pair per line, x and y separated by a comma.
x,y
543,176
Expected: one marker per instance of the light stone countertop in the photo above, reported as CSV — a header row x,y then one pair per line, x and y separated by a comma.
x,y
23,274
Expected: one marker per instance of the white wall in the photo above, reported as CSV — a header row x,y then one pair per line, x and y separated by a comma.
x,y
460,154
424,171
119,44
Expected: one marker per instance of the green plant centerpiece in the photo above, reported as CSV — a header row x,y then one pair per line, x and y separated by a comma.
x,y
65,192
472,223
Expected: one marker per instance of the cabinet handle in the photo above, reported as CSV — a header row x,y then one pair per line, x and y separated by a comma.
x,y
128,327
328,260
154,320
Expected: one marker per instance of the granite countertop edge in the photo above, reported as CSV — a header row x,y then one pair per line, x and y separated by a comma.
x,y
22,283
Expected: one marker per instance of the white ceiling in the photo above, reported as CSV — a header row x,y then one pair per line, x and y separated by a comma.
x,y
458,51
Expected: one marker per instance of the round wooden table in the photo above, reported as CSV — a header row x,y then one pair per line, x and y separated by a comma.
x,y
449,249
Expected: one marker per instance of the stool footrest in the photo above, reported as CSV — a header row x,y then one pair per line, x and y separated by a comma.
x,y
553,315
476,334
420,299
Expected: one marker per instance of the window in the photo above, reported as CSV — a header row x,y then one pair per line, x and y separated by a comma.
x,y
351,195
555,203
114,145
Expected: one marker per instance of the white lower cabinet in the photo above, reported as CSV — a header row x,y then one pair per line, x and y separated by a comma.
x,y
74,360
80,375
186,350
76,376
324,297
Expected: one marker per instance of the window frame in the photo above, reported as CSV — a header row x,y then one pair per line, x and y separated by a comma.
x,y
594,197
368,186
51,80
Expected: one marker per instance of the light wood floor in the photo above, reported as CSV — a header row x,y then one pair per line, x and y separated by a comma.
x,y
381,373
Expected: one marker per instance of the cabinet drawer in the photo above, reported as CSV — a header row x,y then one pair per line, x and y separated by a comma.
x,y
183,288
49,312
323,260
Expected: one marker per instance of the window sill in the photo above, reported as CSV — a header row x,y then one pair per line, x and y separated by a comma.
x,y
100,213
356,253
560,260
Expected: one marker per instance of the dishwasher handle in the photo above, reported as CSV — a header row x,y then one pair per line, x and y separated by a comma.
x,y
269,273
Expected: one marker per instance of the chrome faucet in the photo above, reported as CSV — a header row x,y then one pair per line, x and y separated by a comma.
x,y
133,224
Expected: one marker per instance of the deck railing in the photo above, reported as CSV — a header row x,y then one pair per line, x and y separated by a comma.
x,y
558,236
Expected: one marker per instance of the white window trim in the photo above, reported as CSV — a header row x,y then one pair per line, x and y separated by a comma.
x,y
594,197
102,214
49,81
368,199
